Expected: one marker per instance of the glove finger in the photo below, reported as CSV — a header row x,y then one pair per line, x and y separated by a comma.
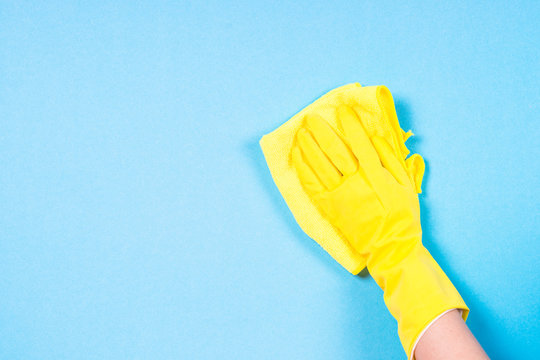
x,y
331,144
317,160
350,125
390,161
307,177
416,168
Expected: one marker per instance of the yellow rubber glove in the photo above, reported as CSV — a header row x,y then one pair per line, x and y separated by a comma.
x,y
363,189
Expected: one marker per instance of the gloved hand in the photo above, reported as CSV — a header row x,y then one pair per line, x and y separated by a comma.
x,y
364,190
360,186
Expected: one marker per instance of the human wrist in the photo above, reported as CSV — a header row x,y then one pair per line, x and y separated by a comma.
x,y
416,290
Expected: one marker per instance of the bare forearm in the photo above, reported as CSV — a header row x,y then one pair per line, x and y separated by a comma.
x,y
449,338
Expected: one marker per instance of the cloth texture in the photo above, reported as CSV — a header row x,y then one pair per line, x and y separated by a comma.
x,y
375,106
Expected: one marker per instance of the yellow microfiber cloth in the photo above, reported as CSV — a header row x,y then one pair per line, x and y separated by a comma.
x,y
375,107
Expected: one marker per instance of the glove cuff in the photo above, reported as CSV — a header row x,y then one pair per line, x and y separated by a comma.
x,y
416,290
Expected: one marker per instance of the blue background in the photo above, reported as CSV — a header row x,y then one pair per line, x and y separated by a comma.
x,y
138,219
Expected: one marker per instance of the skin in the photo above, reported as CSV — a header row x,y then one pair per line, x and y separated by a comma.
x,y
449,338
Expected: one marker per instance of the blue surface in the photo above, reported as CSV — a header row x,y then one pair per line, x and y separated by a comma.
x,y
139,219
